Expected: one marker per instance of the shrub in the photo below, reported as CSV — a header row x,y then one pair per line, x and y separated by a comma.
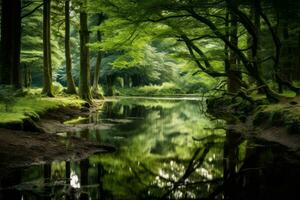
x,y
98,93
57,88
7,96
152,90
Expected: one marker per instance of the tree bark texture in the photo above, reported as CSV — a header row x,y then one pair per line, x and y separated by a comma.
x,y
95,89
47,87
70,81
84,86
11,43
234,74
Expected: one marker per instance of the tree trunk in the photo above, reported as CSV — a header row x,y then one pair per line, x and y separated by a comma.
x,y
234,74
136,80
95,89
27,76
47,89
109,82
126,80
226,48
297,73
254,55
70,81
84,86
11,43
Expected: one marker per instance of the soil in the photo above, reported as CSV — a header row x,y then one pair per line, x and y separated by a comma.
x,y
38,143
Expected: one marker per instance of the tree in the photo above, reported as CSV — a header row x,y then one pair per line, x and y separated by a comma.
x,y
11,43
233,71
47,87
84,85
95,88
70,81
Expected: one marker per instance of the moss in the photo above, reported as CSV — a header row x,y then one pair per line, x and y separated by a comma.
x,y
33,106
280,115
277,118
260,118
77,120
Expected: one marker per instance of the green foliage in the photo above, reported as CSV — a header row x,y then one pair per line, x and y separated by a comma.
x,y
98,93
8,97
57,88
35,105
152,90
32,40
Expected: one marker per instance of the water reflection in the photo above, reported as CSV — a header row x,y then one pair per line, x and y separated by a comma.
x,y
166,150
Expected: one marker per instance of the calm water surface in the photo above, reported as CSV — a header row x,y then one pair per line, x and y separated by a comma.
x,y
166,149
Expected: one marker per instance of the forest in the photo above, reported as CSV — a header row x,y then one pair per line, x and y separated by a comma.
x,y
149,99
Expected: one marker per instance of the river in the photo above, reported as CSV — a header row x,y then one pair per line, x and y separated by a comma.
x,y
166,149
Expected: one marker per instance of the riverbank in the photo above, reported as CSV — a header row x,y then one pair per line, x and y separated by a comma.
x,y
278,123
17,115
21,149
29,132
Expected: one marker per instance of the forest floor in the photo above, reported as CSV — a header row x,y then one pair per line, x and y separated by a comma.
x,y
278,123
35,139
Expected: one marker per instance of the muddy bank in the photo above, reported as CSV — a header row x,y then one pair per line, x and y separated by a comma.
x,y
38,142
279,123
27,148
77,120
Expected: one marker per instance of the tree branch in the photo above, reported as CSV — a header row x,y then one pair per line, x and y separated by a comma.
x,y
32,11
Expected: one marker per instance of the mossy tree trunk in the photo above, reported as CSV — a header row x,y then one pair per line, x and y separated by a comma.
x,y
47,87
110,79
126,79
11,43
84,86
233,71
70,81
27,76
95,88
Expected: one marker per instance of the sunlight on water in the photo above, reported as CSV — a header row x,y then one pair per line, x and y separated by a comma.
x,y
74,180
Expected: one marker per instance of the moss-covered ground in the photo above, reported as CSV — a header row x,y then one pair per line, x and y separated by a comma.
x,y
283,114
33,106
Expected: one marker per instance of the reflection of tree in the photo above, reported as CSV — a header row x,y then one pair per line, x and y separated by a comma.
x,y
160,136
185,183
68,172
8,179
196,161
100,174
47,177
267,171
231,155
84,178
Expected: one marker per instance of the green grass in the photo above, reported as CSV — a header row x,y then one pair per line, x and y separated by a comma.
x,y
34,106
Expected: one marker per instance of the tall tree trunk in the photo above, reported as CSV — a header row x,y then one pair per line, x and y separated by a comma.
x,y
297,73
226,48
254,55
11,43
234,74
126,80
47,88
70,81
285,69
84,87
27,76
95,89
109,87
